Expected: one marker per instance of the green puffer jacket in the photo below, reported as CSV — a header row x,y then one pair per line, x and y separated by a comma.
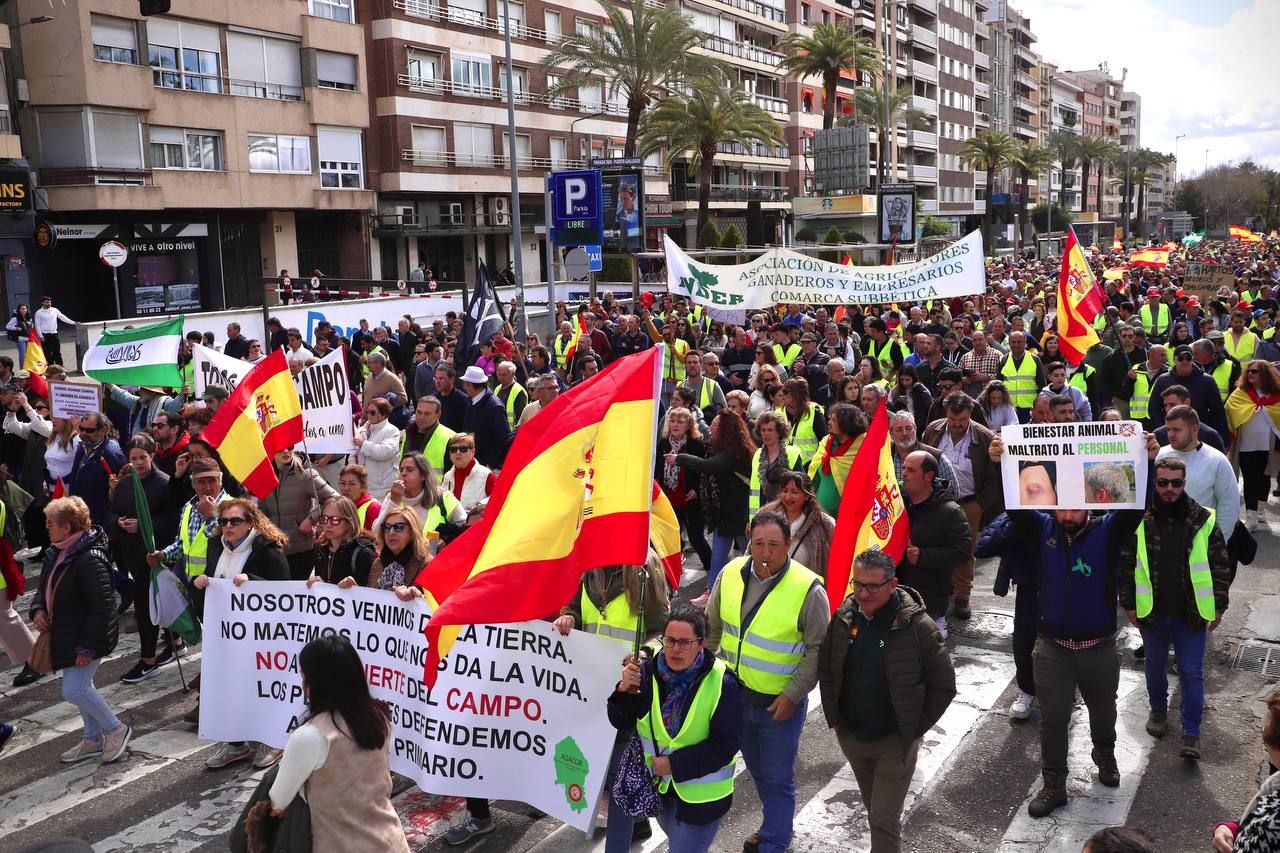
x,y
922,681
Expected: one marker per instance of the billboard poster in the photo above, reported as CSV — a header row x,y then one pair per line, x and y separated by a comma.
x,y
622,185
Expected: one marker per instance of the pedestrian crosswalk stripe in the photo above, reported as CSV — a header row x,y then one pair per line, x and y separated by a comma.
x,y
190,824
1091,805
127,647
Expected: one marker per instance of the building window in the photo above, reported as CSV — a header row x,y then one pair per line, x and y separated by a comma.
x,y
336,70
263,67
270,152
551,22
114,40
184,55
341,158
175,148
558,102
424,71
473,144
472,74
334,10
559,152
587,29
468,12
429,147
519,78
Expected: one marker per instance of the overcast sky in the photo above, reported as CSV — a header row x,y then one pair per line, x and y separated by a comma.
x,y
1209,69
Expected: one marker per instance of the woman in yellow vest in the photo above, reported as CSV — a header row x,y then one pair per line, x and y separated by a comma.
x,y
1253,416
804,418
687,710
607,605
353,484
775,456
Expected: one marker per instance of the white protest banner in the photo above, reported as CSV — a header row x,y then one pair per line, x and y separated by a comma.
x,y
326,405
214,368
1205,280
1091,465
518,712
73,399
780,275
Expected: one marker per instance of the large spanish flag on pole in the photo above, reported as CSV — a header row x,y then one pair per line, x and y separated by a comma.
x,y
575,494
664,536
262,416
1079,301
1241,233
872,511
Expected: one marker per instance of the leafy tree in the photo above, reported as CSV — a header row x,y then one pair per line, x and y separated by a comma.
x,y
1029,161
1190,198
731,238
830,50
644,52
708,236
935,227
853,235
1090,150
1060,218
990,152
806,235
708,116
833,237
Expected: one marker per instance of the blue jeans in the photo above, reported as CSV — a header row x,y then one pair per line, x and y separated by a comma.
x,y
769,749
22,351
620,827
721,545
78,689
1158,632
687,837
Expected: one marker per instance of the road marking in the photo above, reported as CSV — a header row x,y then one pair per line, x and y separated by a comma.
x,y
203,818
62,718
835,819
128,646
1092,806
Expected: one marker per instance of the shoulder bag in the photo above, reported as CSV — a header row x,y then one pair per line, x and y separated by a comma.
x,y
41,659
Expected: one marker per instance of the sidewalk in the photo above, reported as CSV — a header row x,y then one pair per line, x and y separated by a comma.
x,y
68,340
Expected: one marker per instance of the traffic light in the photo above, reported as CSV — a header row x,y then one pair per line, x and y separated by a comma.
x,y
153,7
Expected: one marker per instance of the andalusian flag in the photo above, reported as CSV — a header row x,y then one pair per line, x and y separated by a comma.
x,y
1079,301
1154,257
1193,239
872,513
584,468
262,416
147,355
1242,233
664,536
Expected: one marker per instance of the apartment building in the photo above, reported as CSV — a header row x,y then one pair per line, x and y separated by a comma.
x,y
1016,101
1060,113
17,225
1101,96
221,144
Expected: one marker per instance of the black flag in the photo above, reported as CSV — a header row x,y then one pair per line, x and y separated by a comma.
x,y
483,320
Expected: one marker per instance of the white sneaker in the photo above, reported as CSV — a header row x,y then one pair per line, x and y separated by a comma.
x,y
1021,707
84,749
941,622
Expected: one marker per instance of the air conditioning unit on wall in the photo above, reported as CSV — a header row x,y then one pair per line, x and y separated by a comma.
x,y
499,210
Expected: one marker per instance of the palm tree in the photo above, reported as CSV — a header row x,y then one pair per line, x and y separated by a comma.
x,y
644,52
888,110
832,49
1090,150
1029,161
696,123
1110,154
989,152
1142,164
1065,147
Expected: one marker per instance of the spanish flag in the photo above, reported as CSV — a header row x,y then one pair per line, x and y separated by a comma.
x,y
1079,301
36,363
664,536
579,332
1153,257
584,470
1239,232
873,515
262,416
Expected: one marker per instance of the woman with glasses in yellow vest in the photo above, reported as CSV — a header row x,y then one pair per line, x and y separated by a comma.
x,y
608,605
808,426
686,707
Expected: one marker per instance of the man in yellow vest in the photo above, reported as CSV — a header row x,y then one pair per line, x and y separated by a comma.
x,y
767,617
426,435
786,351
510,393
1262,325
1144,380
706,391
673,371
877,344
1211,356
1240,342
1174,581
560,344
1023,373
1155,315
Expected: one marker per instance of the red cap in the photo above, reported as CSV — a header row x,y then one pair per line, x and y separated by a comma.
x,y
1193,302
1153,291
1243,306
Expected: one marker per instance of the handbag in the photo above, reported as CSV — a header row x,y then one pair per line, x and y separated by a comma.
x,y
635,789
41,659
258,832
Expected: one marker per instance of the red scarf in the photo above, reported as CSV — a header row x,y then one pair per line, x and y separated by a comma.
x,y
460,477
840,450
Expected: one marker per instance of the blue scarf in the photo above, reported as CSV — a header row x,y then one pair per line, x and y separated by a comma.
x,y
678,684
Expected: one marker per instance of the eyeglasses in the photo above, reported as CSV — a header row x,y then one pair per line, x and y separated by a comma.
x,y
158,424
1170,482
680,643
946,386
869,588
93,429
331,519
232,521
1253,371
460,448
395,526
371,413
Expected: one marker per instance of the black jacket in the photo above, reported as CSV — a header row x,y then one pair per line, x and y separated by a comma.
x,y
734,479
940,530
486,419
128,549
84,606
266,563
699,759
354,559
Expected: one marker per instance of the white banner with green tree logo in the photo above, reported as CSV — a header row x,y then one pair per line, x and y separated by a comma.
x,y
781,275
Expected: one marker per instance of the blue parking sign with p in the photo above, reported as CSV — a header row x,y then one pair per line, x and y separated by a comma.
x,y
576,211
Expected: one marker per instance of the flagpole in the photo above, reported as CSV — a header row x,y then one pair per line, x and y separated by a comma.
x,y
516,246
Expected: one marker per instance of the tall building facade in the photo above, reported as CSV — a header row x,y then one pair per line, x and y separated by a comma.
x,y
220,144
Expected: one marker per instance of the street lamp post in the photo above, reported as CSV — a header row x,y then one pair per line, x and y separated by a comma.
x,y
516,246
1176,140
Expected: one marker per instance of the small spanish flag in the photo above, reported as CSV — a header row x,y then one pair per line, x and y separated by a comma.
x,y
580,331
587,469
262,417
36,364
1154,257
1241,233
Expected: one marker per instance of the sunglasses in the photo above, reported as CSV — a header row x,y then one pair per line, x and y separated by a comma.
x,y
232,521
1167,482
461,448
395,526
331,519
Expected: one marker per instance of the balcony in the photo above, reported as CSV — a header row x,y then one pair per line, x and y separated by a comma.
x,y
780,153
466,17
777,106
980,205
471,90
930,6
761,10
922,174
1026,79
981,60
979,178
924,70
925,105
732,193
923,139
1025,53
920,35
981,90
981,30
982,119
928,205
739,50
463,160
1024,103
